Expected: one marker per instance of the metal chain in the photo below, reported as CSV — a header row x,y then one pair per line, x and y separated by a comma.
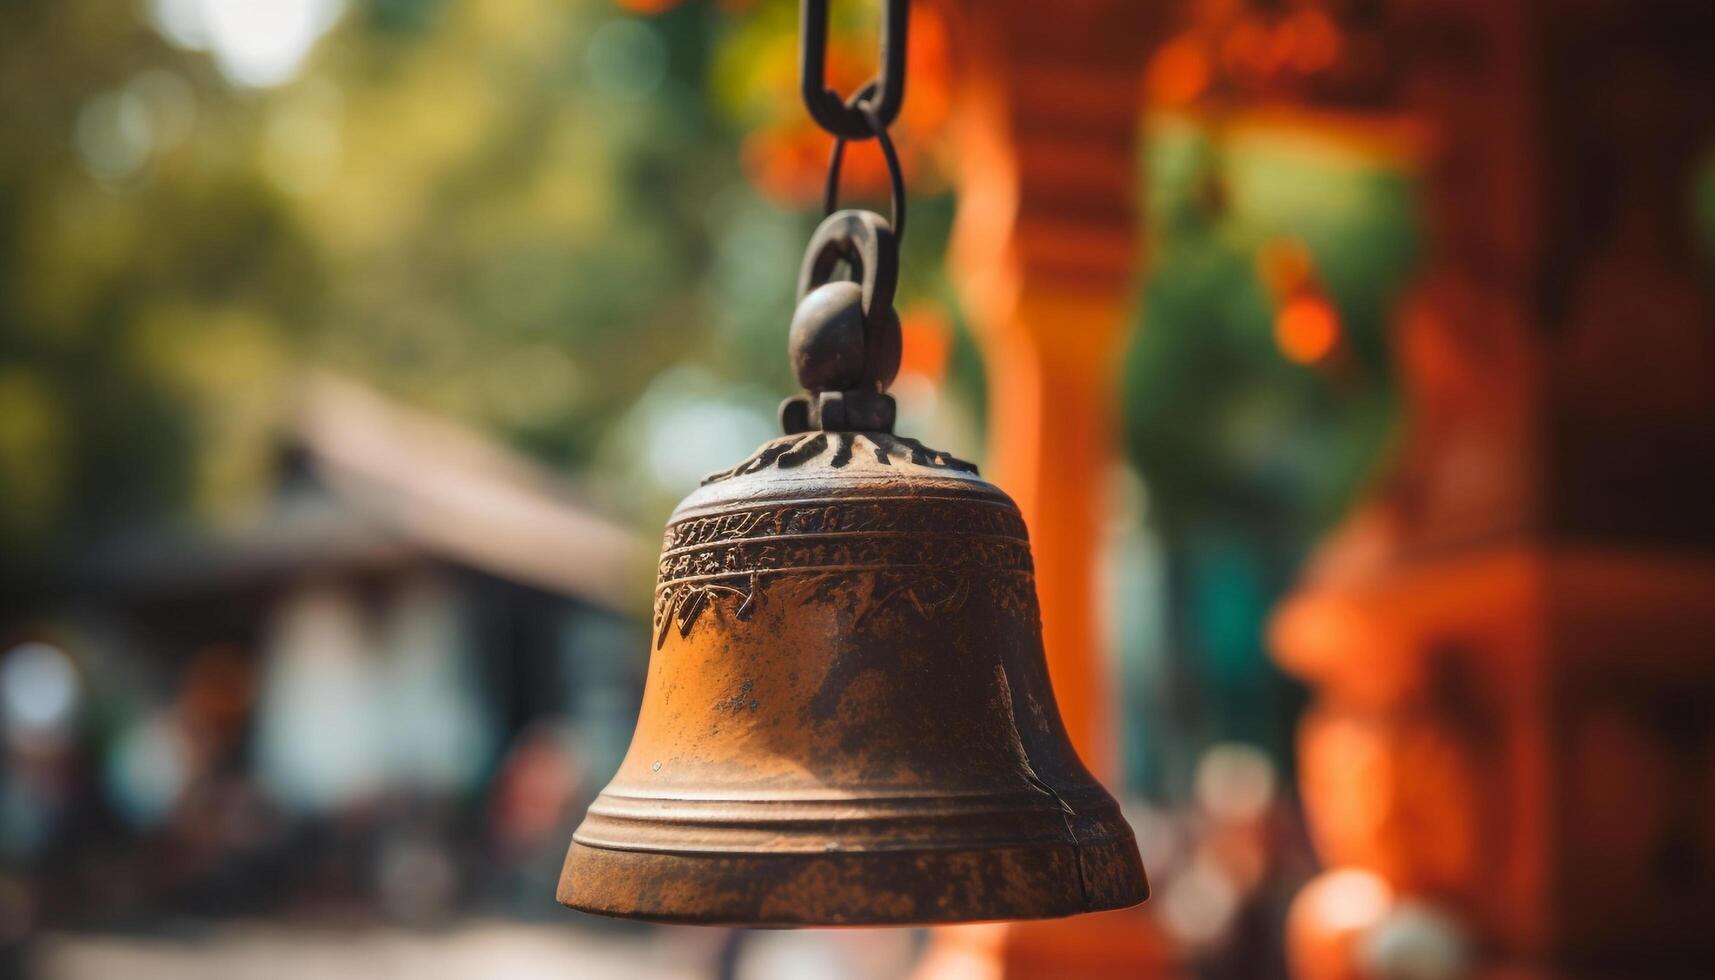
x,y
895,176
841,117
845,338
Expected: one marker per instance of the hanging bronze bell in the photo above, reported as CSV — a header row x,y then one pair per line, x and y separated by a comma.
x,y
847,718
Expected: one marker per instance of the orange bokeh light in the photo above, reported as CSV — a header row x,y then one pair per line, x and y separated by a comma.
x,y
1316,41
1306,329
646,7
1179,72
928,342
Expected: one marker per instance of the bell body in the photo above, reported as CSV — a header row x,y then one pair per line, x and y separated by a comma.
x,y
847,718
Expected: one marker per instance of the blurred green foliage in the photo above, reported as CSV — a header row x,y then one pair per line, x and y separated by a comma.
x,y
1221,424
518,212
1246,456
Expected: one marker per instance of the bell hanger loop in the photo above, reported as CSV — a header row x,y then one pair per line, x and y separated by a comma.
x,y
860,102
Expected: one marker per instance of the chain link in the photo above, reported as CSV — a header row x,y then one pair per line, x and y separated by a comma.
x,y
845,338
839,116
895,176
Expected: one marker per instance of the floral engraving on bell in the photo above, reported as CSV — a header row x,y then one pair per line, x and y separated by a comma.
x,y
926,552
826,516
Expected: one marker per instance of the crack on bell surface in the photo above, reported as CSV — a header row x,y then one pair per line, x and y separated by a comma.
x,y
1029,773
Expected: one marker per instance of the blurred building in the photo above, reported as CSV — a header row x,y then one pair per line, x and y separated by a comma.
x,y
416,639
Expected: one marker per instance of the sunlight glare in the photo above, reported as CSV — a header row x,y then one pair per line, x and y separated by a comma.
x,y
256,43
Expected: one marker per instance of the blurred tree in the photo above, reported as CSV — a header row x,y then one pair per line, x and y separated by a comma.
x,y
519,212
1248,442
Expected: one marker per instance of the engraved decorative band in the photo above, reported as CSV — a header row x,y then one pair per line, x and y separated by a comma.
x,y
855,552
925,514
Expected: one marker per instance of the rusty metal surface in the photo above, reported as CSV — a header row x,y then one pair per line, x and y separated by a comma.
x,y
847,718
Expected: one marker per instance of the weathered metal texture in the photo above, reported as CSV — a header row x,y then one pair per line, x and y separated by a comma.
x,y
848,718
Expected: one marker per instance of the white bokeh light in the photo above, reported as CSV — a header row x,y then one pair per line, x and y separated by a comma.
x,y
320,740
1416,941
38,689
148,769
256,43
114,135
688,424
1235,783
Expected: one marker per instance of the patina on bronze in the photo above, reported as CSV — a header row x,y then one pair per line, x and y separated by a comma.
x,y
847,718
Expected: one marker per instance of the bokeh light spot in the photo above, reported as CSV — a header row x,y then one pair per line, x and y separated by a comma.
x,y
1235,783
38,689
255,43
114,136
1349,899
1198,906
1306,329
302,142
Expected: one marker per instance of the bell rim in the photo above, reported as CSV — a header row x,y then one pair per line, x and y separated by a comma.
x,y
921,887
721,824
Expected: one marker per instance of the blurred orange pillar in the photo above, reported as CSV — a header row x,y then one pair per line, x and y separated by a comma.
x,y
1045,252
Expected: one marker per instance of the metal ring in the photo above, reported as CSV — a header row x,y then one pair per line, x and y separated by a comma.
x,y
895,174
825,105
867,242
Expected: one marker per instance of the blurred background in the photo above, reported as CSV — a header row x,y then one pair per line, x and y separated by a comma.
x,y
353,353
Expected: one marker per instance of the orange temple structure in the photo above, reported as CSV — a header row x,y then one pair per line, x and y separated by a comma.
x,y
1045,251
1509,642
